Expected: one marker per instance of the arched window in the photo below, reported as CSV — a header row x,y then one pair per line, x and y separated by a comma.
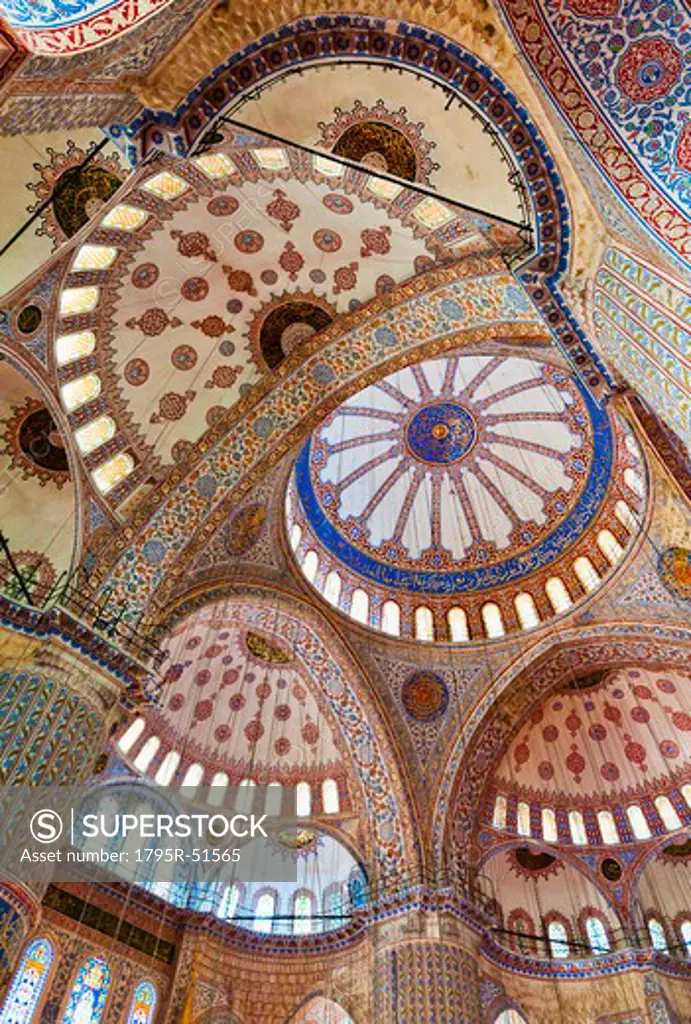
x,y
109,475
94,434
557,594
638,823
391,618
499,815
424,624
491,617
310,565
685,930
609,546
608,830
28,983
217,789
332,588
510,1016
79,392
244,798
359,606
168,768
143,1004
526,611
334,903
263,913
147,753
458,625
549,825
274,798
78,300
229,902
585,571
634,481
192,779
558,940
302,914
330,801
89,992
625,516
686,793
295,536
598,940
657,935
69,347
670,818
523,819
303,800
577,827
131,735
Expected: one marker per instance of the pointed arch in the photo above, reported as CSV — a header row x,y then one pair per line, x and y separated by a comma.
x,y
319,1009
28,984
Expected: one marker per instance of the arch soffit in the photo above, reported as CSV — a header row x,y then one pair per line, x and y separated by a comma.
x,y
649,856
540,669
374,753
284,407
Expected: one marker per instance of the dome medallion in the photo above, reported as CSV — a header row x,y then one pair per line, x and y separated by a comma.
x,y
441,433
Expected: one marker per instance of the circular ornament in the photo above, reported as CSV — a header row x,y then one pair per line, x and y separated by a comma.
x,y
145,275
195,289
674,569
425,696
649,69
441,433
338,203
137,372
248,241
29,319
222,206
184,357
327,240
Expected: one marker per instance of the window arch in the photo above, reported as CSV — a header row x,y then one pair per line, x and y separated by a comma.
x,y
147,754
577,827
143,1004
609,546
274,798
608,829
424,623
549,825
330,800
598,939
657,935
28,983
458,625
666,810
521,932
192,779
359,606
510,1016
558,940
229,902
303,800
332,588
523,818
638,823
586,573
499,814
526,611
131,735
217,790
310,565
557,594
626,517
264,910
491,617
89,993
169,764
391,618
302,913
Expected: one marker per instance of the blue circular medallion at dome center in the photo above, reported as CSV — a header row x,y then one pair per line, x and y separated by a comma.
x,y
441,433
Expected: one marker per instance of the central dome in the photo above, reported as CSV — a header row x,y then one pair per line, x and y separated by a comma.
x,y
458,476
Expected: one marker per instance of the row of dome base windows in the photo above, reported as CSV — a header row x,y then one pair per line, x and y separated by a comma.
x,y
70,347
563,947
192,780
458,631
606,825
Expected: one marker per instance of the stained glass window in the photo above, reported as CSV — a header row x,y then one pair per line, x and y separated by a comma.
x,y
302,921
686,935
28,983
89,993
229,902
558,940
657,935
597,936
143,1004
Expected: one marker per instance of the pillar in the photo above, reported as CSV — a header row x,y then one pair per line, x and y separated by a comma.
x,y
57,708
426,971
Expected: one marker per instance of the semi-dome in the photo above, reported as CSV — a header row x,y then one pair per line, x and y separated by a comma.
x,y
464,496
